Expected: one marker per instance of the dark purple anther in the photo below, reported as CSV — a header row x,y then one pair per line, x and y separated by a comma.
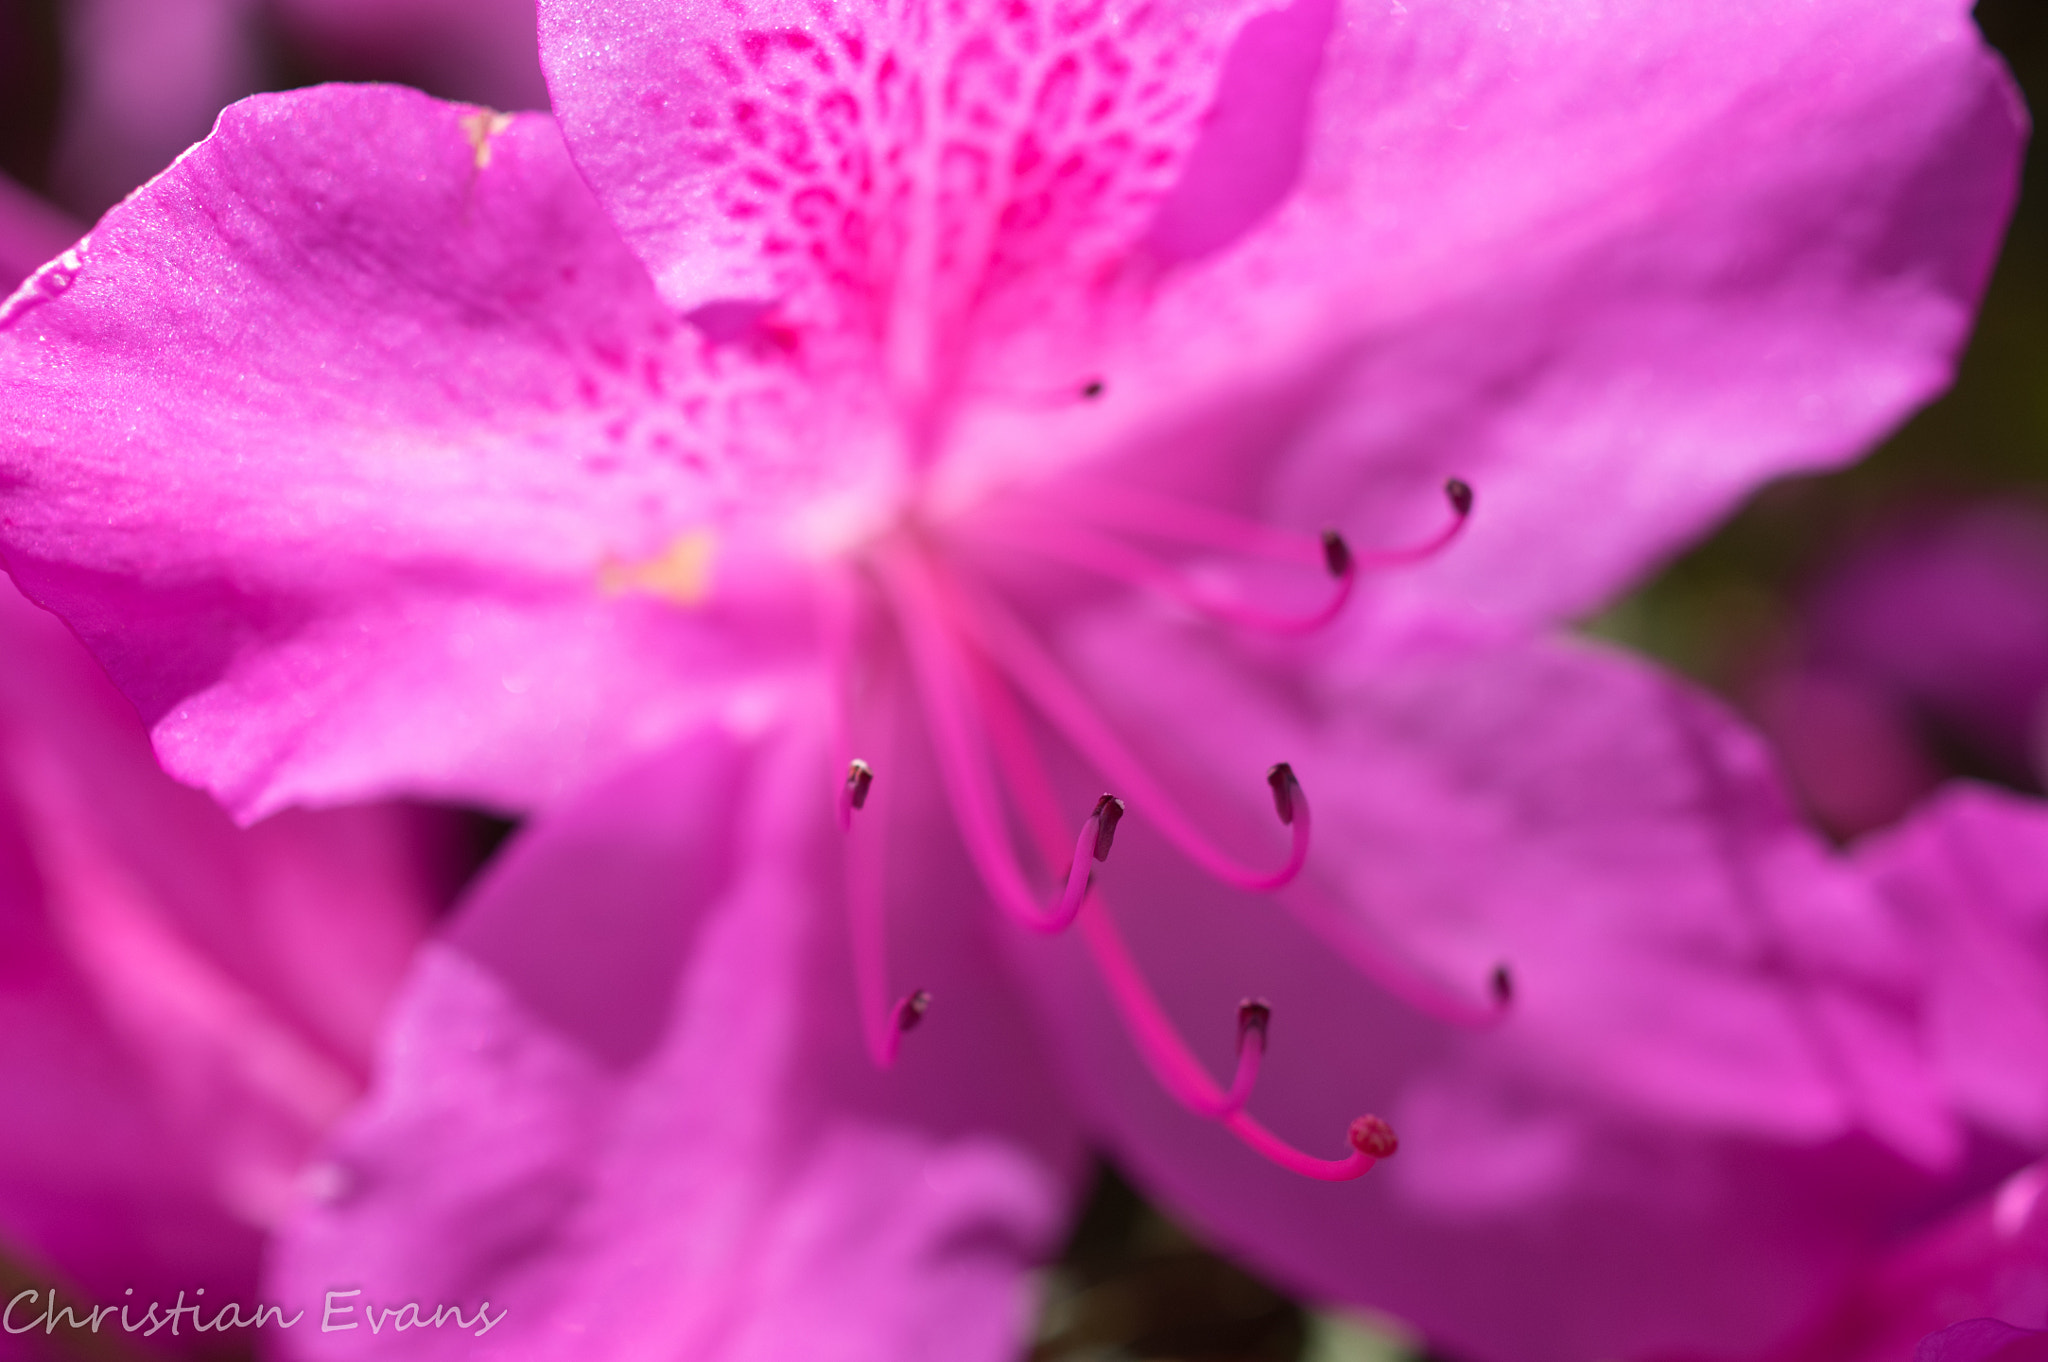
x,y
1460,494
1336,554
1253,1015
1285,787
1108,810
1503,985
911,1010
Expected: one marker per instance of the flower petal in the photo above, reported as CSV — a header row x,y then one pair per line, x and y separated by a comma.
x,y
1613,265
865,164
1968,876
627,1101
367,458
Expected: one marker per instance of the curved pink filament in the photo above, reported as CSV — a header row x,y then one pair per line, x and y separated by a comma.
x,y
1006,642
1159,1044
964,767
1251,1048
1178,1071
1108,556
1164,517
1264,1141
862,867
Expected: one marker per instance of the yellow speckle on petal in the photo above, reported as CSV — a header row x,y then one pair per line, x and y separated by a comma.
x,y
481,127
680,573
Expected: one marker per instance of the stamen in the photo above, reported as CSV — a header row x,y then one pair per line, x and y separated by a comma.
x,y
1159,1045
1253,1016
1084,548
1158,516
1336,554
910,1010
903,1019
1092,389
1182,1075
1286,789
1503,985
964,767
1010,646
1109,811
1461,496
854,793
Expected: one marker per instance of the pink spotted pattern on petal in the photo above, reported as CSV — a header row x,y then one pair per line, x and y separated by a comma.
x,y
891,171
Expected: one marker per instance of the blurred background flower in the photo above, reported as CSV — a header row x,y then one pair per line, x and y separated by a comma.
x,y
1887,626
185,1007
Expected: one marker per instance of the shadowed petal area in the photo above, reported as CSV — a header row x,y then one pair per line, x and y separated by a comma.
x,y
184,1007
1675,1134
1987,1261
1946,612
481,50
365,456
1983,1340
626,1100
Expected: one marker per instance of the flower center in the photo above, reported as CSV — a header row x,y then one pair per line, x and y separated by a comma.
x,y
969,658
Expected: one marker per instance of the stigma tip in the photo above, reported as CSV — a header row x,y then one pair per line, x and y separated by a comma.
x,y
1285,787
1373,1137
1108,811
1253,1016
1503,985
1337,553
1460,493
911,1010
859,776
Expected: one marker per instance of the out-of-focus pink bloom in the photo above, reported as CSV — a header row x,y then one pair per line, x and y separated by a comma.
x,y
482,51
967,393
184,1007
1850,746
1949,614
1983,1340
1926,642
143,81
31,233
1966,880
146,78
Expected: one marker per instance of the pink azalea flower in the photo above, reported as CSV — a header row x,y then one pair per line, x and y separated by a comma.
x,y
967,395
1927,636
184,1007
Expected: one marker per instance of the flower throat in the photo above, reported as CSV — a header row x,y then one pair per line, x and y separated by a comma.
x,y
971,659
